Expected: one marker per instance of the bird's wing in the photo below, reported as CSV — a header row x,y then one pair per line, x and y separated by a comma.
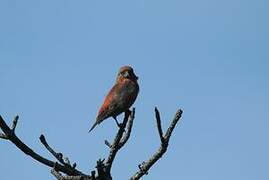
x,y
110,104
119,98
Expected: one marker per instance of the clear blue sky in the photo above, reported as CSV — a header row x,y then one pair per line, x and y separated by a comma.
x,y
58,59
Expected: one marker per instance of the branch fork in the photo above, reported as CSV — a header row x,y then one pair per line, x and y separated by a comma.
x,y
146,165
63,166
9,134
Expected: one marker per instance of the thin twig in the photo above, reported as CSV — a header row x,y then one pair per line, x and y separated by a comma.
x,y
59,176
115,145
173,124
59,156
127,134
28,151
145,166
3,136
14,123
103,166
159,126
107,143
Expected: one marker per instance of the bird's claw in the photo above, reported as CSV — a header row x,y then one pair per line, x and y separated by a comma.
x,y
121,126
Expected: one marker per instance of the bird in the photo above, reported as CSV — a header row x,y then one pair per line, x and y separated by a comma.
x,y
121,96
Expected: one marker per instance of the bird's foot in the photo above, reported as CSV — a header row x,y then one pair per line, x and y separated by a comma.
x,y
128,112
120,125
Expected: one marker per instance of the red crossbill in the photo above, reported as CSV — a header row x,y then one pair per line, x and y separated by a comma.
x,y
121,97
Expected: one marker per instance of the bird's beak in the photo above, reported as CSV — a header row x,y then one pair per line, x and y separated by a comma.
x,y
126,75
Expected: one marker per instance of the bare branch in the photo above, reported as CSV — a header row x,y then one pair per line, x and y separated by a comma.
x,y
108,144
127,134
10,134
173,124
3,136
59,156
159,126
13,127
115,146
59,176
145,166
66,171
14,123
56,174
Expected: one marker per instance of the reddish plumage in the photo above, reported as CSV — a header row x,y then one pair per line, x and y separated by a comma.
x,y
121,97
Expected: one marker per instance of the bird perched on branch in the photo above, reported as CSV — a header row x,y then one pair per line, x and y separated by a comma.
x,y
121,97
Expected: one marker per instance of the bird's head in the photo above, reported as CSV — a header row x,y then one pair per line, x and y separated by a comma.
x,y
126,72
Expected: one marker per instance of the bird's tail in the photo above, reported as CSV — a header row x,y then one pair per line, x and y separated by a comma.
x,y
93,126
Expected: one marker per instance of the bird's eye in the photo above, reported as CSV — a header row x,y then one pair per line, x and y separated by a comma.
x,y
125,74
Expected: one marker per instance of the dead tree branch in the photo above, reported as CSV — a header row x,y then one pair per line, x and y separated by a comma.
x,y
59,156
65,171
145,166
120,139
9,134
159,126
127,134
59,176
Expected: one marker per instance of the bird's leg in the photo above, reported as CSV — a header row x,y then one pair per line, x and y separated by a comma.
x,y
128,112
118,124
